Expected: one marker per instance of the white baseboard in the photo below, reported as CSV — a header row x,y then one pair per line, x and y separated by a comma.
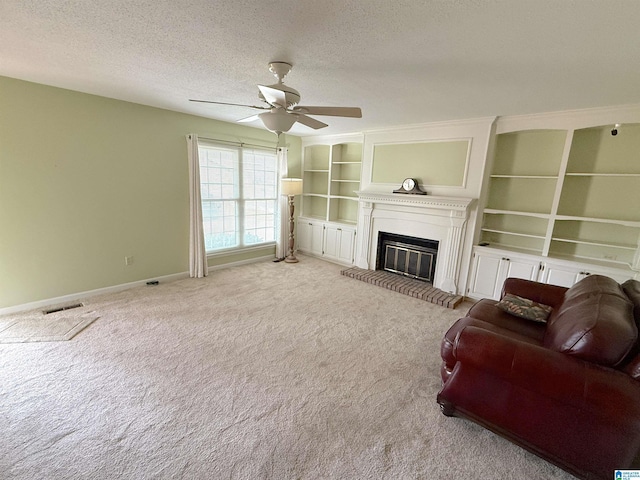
x,y
49,302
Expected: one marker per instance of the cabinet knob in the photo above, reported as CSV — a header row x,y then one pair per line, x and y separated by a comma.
x,y
506,259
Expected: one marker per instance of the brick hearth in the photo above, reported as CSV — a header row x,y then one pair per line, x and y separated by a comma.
x,y
407,286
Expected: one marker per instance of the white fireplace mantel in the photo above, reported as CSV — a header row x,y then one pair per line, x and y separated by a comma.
x,y
424,216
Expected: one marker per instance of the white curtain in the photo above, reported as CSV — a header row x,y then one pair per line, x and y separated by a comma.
x,y
197,253
282,238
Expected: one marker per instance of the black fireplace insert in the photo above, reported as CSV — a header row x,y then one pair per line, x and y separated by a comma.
x,y
409,256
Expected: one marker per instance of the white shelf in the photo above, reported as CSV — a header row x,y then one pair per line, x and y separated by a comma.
x,y
321,195
613,221
346,181
514,212
592,261
316,171
595,244
544,177
346,221
512,248
507,232
597,261
347,163
587,174
345,197
311,217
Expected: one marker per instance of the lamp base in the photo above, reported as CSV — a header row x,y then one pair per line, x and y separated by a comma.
x,y
291,258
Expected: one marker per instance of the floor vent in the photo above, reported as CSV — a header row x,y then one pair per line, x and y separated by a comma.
x,y
62,308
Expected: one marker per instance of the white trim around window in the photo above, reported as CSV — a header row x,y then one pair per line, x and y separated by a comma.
x,y
239,189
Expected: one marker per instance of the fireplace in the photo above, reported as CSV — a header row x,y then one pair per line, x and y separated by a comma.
x,y
409,256
441,219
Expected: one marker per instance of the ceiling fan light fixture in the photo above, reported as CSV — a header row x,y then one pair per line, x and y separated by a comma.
x,y
278,120
282,105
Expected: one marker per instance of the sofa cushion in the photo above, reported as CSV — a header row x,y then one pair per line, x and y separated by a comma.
x,y
487,311
591,286
597,328
524,308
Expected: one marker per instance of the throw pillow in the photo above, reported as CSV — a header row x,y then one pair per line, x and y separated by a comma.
x,y
524,308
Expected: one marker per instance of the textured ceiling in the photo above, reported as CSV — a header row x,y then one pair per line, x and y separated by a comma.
x,y
403,62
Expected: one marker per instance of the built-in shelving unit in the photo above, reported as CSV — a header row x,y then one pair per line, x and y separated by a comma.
x,y
331,175
522,186
598,215
567,193
331,168
315,178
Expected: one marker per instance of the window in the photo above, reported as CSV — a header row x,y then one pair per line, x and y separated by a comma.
x,y
239,196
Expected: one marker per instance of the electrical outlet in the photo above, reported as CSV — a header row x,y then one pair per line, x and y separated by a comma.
x,y
128,260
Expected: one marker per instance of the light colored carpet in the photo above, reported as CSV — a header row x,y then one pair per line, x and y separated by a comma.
x,y
42,328
265,371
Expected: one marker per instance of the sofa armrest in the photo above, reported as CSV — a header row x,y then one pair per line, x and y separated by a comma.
x,y
607,392
544,293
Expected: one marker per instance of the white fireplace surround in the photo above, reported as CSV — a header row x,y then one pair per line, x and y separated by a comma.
x,y
435,218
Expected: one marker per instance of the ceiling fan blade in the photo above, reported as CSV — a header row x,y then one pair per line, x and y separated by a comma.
x,y
273,96
232,104
249,119
353,112
310,122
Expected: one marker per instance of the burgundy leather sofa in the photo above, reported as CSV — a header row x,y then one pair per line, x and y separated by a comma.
x,y
567,389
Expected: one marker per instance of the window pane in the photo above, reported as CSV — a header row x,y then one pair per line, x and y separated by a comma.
x,y
219,173
259,171
259,220
227,191
270,191
219,219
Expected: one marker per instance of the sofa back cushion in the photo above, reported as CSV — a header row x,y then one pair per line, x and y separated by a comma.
x,y
595,323
591,286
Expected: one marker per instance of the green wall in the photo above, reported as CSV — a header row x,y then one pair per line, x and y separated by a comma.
x,y
86,181
441,163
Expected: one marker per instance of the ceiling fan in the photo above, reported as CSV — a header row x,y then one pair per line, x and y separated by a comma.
x,y
282,109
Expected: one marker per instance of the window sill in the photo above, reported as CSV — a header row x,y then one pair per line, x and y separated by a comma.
x,y
236,250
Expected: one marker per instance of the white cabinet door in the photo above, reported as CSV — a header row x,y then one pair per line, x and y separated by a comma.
x,y
331,241
484,276
303,236
310,237
348,246
522,268
561,275
491,269
339,243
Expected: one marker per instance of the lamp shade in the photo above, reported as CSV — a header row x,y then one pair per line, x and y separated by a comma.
x,y
291,186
